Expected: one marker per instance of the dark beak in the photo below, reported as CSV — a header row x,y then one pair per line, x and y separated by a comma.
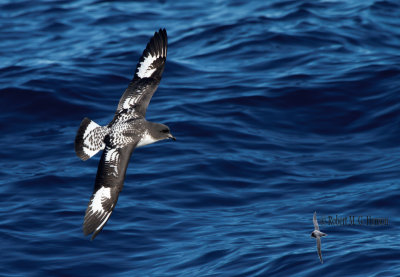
x,y
171,137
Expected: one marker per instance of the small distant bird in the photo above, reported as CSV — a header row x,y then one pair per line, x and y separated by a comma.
x,y
128,129
317,235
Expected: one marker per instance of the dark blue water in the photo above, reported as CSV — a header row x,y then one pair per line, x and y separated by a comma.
x,y
280,109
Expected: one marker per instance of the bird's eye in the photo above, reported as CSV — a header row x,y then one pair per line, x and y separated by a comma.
x,y
165,131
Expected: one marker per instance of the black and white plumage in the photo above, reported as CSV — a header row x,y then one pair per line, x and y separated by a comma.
x,y
128,129
317,235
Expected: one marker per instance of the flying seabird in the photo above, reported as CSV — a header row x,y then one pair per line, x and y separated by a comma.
x,y
317,235
128,129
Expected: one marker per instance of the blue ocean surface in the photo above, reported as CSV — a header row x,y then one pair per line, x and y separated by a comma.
x,y
280,108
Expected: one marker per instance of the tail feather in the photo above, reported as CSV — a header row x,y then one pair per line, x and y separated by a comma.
x,y
90,139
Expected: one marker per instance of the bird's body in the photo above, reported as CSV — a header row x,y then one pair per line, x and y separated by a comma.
x,y
128,130
317,234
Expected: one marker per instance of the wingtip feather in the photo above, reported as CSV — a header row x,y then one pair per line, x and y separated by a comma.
x,y
153,57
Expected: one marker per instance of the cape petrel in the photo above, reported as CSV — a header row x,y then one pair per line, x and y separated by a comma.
x,y
128,129
317,235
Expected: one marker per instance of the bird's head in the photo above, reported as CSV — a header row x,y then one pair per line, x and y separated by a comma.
x,y
161,131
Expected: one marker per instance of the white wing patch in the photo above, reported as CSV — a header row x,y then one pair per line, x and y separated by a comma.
x,y
145,70
104,221
103,194
112,159
131,101
112,155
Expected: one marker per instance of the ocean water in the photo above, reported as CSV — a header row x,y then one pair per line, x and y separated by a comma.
x,y
280,108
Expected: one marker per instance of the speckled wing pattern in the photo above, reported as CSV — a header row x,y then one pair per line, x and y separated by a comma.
x,y
147,77
109,182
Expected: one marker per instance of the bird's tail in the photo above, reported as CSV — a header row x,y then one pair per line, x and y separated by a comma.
x,y
90,139
323,234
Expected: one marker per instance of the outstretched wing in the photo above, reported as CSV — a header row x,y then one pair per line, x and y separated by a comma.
x,y
109,182
147,76
319,249
315,221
